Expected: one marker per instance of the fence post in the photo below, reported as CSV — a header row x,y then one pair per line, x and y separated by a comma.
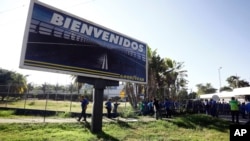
x,y
70,102
25,97
47,97
7,95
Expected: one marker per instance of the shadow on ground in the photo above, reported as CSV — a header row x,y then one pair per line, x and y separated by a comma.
x,y
201,121
100,135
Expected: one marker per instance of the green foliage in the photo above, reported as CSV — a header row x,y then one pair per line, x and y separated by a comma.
x,y
236,82
205,89
6,113
63,114
128,112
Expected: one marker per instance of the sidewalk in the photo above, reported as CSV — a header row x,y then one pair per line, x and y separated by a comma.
x,y
104,119
228,117
67,120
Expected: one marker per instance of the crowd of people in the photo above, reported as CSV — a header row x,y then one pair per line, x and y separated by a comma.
x,y
167,108
214,108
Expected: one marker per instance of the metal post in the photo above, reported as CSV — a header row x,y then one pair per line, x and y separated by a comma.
x,y
45,110
70,102
25,97
7,95
219,78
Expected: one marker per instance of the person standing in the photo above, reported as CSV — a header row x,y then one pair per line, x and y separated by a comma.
x,y
248,109
167,105
243,110
116,104
109,107
84,104
234,107
157,108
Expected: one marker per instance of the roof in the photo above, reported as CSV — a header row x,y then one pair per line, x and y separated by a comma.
x,y
236,92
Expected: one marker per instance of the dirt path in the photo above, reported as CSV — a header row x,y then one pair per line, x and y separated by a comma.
x,y
72,120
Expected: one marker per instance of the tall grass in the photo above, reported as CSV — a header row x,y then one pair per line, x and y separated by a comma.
x,y
185,128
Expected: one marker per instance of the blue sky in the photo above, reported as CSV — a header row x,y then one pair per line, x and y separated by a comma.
x,y
204,34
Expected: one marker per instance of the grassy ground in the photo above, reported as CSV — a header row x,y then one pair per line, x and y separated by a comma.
x,y
56,105
184,128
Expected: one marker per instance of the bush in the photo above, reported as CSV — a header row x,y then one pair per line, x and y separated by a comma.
x,y
128,113
6,113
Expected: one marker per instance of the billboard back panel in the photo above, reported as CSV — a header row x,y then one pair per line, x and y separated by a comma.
x,y
57,41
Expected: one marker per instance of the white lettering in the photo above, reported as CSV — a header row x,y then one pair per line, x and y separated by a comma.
x,y
239,132
113,39
243,131
57,19
97,32
134,45
87,30
126,43
141,48
67,23
105,36
121,40
75,26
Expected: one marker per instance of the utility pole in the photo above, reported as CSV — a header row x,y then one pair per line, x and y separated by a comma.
x,y
219,78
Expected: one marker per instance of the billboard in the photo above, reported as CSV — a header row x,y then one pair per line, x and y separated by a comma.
x,y
57,41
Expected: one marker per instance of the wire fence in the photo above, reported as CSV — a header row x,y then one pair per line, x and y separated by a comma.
x,y
49,99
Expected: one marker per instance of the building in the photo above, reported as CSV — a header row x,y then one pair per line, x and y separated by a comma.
x,y
242,94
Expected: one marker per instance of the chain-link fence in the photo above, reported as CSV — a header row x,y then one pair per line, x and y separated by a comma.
x,y
40,98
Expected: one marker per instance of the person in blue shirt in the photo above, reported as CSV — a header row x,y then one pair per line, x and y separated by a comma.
x,y
84,104
109,107
168,106
116,104
248,109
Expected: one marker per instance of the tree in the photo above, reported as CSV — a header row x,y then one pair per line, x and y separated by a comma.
x,y
12,82
174,78
30,87
166,78
226,88
205,89
235,82
192,95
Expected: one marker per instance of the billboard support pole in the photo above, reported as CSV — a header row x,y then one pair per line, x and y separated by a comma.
x,y
97,113
96,124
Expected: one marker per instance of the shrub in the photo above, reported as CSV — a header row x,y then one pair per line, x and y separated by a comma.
x,y
6,113
128,113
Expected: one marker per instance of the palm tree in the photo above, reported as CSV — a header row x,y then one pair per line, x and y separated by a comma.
x,y
30,87
233,81
174,77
